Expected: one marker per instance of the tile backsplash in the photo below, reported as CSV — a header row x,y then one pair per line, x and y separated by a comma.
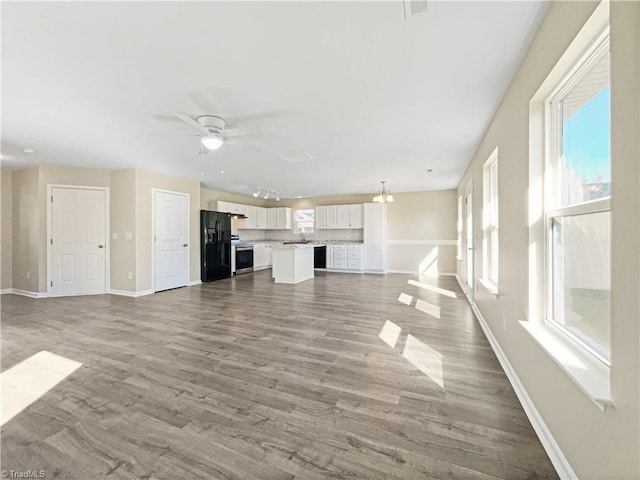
x,y
354,235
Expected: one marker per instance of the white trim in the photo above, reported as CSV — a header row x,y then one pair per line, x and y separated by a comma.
x,y
5,291
153,234
27,293
416,272
422,242
126,293
193,283
491,287
107,233
559,461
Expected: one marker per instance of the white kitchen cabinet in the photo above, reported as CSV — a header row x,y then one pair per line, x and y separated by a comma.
x,y
375,237
234,208
356,215
262,256
343,215
260,218
345,257
326,217
339,217
256,218
279,218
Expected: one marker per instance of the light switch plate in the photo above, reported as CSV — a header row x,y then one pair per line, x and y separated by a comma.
x,y
128,236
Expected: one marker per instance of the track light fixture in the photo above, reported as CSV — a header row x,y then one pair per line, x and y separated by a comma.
x,y
256,193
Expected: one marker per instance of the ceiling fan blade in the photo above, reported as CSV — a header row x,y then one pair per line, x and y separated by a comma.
x,y
236,132
190,121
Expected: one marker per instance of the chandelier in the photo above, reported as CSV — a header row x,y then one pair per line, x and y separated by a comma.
x,y
384,196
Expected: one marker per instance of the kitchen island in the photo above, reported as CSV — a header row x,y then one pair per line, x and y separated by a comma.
x,y
292,263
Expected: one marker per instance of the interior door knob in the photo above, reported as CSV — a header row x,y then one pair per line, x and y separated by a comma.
x,y
100,246
185,244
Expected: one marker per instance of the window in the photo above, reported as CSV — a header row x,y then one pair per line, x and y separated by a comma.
x,y
490,222
304,219
577,208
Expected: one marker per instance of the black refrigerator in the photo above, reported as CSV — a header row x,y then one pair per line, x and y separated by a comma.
x,y
215,245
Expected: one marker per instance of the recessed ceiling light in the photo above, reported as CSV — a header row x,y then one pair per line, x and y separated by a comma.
x,y
29,150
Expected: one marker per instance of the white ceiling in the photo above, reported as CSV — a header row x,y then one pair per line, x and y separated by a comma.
x,y
371,95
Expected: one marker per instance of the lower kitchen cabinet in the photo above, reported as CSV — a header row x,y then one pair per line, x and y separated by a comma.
x,y
346,257
262,256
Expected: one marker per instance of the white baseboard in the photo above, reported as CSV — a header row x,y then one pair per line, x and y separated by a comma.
x,y
416,272
194,282
5,291
559,461
25,293
126,293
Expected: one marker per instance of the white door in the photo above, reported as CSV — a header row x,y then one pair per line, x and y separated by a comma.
x,y
171,240
78,221
468,239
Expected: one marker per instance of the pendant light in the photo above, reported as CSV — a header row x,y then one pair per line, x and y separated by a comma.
x,y
384,196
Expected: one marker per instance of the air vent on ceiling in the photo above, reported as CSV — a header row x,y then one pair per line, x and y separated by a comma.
x,y
414,8
296,157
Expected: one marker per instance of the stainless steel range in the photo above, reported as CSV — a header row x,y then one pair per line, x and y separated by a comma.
x,y
244,258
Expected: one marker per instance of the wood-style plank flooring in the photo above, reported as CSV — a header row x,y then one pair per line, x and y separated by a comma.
x,y
246,379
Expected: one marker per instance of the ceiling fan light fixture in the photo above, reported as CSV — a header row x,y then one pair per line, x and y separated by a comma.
x,y
212,142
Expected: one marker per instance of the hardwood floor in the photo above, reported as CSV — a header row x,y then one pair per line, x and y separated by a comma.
x,y
246,379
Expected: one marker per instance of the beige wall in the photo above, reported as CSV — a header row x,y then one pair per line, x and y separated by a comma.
x,y
6,240
598,445
26,229
428,219
123,222
207,196
89,177
145,181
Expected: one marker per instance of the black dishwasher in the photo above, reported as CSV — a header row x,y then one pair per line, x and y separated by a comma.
x,y
320,256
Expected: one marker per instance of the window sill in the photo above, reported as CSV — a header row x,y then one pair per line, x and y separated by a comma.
x,y
591,375
490,286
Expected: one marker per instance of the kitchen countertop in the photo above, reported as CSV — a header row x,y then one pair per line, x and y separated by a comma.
x,y
312,242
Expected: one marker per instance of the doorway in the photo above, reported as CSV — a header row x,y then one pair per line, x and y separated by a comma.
x,y
171,239
78,232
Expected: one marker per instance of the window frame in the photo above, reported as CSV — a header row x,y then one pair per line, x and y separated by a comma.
x,y
297,222
491,223
552,199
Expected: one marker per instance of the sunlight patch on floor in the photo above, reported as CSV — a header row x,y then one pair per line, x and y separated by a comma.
x,y
431,288
425,359
29,380
390,333
406,299
428,308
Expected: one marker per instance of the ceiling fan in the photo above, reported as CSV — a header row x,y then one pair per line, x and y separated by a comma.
x,y
212,129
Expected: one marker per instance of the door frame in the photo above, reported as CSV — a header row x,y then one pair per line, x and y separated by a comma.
x,y
153,233
469,252
107,234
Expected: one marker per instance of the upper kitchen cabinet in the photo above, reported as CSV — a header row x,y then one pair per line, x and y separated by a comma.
x,y
326,217
339,217
256,218
349,216
235,208
279,218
